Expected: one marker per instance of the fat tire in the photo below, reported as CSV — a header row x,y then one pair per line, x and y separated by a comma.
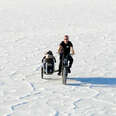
x,y
42,72
64,76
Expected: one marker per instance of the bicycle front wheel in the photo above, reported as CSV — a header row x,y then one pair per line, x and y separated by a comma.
x,y
42,72
64,75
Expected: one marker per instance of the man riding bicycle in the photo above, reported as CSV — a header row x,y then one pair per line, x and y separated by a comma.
x,y
64,49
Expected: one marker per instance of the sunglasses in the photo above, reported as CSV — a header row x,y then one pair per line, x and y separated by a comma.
x,y
65,39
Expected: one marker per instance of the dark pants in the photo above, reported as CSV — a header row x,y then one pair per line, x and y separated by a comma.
x,y
70,59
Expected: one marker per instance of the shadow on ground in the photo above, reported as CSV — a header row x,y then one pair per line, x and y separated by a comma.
x,y
93,80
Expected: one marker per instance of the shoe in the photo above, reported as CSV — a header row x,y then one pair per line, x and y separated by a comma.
x,y
59,74
69,71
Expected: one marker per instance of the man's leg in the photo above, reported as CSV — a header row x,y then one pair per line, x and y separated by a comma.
x,y
70,62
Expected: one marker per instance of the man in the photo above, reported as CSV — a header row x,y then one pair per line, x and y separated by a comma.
x,y
65,48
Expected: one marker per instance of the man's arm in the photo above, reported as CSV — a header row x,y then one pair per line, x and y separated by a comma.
x,y
43,59
72,51
59,49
